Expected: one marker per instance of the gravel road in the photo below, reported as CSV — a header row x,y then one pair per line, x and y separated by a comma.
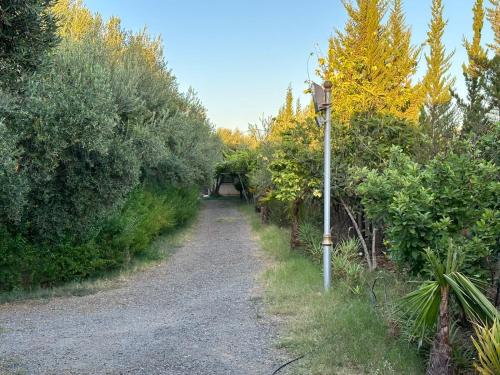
x,y
199,312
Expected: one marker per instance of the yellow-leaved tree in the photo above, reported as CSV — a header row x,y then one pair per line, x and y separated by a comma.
x,y
405,98
494,18
475,52
236,139
115,37
285,118
150,48
371,64
75,21
357,60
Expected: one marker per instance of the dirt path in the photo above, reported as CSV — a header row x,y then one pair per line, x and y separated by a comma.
x,y
197,313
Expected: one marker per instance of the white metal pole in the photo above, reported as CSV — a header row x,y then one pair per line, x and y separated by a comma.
x,y
327,237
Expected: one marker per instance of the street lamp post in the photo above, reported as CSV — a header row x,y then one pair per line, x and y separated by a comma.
x,y
322,104
327,235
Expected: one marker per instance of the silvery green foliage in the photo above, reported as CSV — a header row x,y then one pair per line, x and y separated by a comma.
x,y
89,129
27,32
80,167
168,130
13,183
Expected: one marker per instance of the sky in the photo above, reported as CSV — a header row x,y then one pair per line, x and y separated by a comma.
x,y
240,56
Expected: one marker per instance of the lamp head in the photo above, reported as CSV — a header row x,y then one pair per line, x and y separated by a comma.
x,y
319,97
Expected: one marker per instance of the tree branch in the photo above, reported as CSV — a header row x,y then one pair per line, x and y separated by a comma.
x,y
358,231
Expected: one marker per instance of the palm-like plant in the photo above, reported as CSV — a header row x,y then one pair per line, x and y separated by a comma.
x,y
428,306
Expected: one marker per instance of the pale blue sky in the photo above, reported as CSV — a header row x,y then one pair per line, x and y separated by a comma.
x,y
240,56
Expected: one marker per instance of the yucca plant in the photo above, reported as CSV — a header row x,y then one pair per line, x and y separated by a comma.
x,y
428,306
487,345
310,236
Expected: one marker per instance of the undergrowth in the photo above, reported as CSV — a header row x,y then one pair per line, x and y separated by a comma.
x,y
123,242
343,331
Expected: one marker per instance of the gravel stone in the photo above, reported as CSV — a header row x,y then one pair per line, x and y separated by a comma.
x,y
199,312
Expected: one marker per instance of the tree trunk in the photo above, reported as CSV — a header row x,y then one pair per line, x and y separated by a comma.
x,y
217,185
264,214
440,358
243,191
368,233
295,240
358,231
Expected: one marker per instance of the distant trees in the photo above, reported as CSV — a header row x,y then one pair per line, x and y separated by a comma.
x,y
236,139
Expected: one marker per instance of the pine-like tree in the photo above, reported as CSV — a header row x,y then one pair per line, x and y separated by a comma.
x,y
371,64
298,107
475,52
357,60
475,109
288,112
494,18
285,118
492,75
438,114
406,98
27,32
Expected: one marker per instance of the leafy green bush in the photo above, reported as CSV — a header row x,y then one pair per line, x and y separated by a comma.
x,y
79,167
83,129
454,197
127,234
24,264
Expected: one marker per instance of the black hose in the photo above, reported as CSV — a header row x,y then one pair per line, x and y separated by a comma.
x,y
286,364
374,298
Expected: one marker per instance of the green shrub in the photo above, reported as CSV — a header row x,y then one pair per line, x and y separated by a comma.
x,y
127,234
81,136
453,197
80,168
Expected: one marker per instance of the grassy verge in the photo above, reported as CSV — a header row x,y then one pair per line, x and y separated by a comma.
x,y
159,250
339,332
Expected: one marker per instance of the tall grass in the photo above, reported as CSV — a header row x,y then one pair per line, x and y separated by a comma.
x,y
339,332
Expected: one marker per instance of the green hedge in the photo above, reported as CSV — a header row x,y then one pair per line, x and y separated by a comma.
x,y
148,213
